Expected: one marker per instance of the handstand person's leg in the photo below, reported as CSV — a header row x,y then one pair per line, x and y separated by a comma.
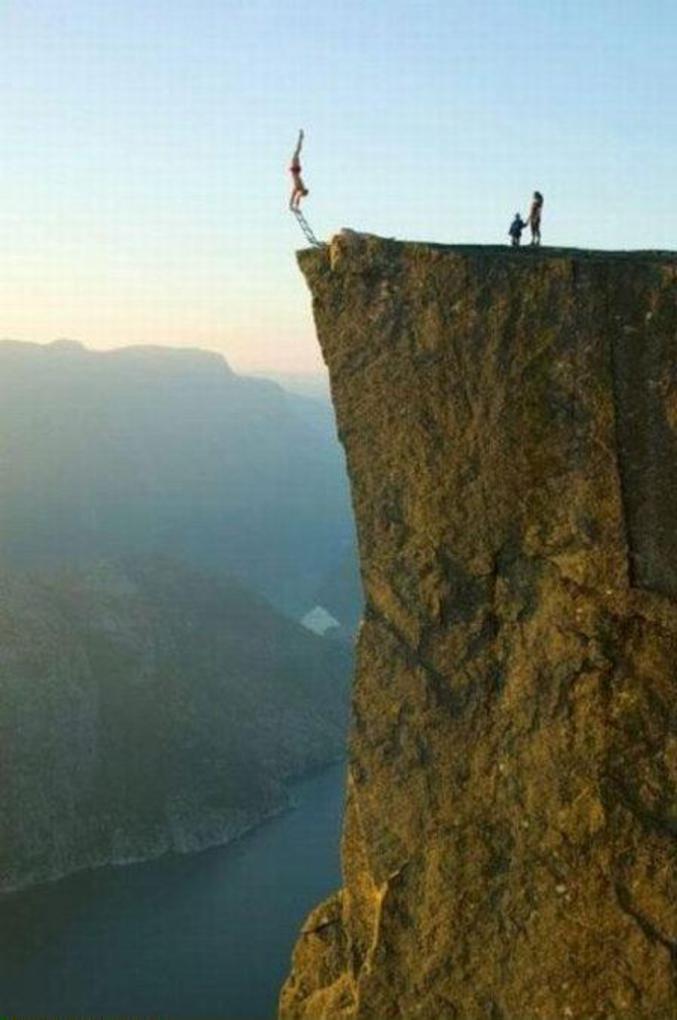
x,y
297,151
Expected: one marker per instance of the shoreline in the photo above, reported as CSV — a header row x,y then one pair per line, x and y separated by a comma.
x,y
171,849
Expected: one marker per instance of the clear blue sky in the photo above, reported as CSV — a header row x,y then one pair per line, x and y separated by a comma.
x,y
146,144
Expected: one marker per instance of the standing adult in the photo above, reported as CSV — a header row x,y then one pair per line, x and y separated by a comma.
x,y
534,220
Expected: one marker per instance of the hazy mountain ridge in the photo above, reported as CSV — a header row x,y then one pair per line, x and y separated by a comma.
x,y
150,700
148,450
148,708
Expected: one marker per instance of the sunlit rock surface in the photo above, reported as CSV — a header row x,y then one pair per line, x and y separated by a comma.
x,y
510,423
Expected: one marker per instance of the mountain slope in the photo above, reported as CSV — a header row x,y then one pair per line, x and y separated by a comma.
x,y
152,450
148,708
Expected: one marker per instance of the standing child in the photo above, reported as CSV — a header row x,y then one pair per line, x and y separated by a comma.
x,y
516,228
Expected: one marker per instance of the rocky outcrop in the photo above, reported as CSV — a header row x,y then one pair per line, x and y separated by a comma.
x,y
148,708
510,424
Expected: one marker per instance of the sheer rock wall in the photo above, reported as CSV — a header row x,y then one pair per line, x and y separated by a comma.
x,y
510,425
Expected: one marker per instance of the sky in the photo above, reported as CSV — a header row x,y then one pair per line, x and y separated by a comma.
x,y
146,144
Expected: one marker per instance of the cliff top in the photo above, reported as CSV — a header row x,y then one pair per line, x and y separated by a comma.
x,y
308,257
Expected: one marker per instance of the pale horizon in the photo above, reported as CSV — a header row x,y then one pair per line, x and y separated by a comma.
x,y
147,144
318,374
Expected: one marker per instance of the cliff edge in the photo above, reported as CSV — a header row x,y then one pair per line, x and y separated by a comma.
x,y
510,425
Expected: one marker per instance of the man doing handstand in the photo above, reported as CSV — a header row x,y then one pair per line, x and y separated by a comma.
x,y
299,190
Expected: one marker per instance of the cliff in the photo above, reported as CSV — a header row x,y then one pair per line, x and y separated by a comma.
x,y
148,708
510,424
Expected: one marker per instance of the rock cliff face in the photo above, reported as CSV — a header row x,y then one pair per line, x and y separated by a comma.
x,y
510,423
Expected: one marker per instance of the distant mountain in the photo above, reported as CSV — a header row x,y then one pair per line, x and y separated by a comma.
x,y
308,384
146,708
149,450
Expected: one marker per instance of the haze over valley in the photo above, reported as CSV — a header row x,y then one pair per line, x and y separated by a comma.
x,y
166,525
149,450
